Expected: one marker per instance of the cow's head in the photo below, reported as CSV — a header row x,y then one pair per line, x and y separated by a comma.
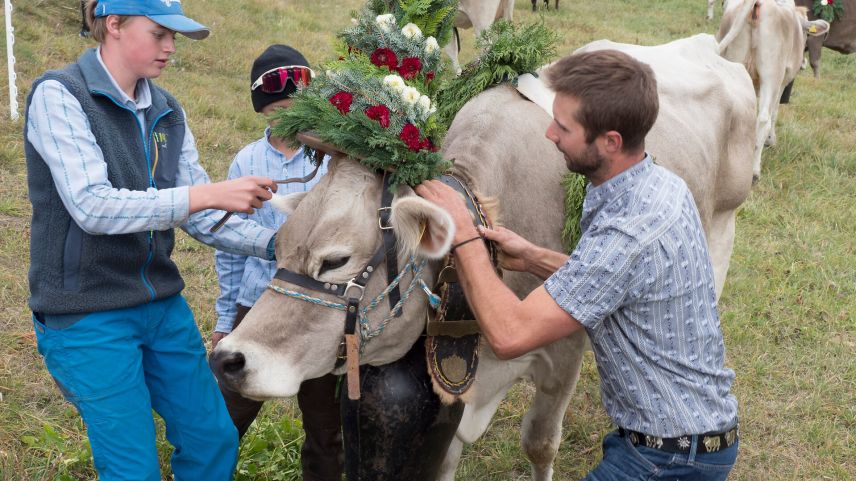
x,y
331,234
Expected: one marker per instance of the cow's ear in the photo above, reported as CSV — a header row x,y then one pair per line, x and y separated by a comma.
x,y
815,27
287,203
422,228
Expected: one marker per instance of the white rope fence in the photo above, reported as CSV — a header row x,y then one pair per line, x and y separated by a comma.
x,y
10,60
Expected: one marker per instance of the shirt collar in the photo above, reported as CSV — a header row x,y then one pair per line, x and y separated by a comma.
x,y
144,94
297,155
596,197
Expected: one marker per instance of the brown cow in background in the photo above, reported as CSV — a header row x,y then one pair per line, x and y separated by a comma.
x,y
841,36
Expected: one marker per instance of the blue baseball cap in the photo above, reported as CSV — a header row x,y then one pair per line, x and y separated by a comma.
x,y
166,13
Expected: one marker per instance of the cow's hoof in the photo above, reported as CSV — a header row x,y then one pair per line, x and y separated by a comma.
x,y
755,178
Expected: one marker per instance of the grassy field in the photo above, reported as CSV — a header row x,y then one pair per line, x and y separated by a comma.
x,y
788,308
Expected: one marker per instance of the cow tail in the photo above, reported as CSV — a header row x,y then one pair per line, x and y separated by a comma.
x,y
741,17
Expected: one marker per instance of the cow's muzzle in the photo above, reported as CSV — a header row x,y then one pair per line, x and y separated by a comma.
x,y
228,367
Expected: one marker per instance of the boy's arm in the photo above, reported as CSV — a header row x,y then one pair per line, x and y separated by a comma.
x,y
59,131
239,235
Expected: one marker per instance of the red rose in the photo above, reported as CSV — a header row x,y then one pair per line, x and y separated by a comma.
x,y
379,113
410,67
384,57
342,101
428,145
410,135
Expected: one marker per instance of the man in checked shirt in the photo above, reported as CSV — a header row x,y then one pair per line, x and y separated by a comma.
x,y
639,281
112,169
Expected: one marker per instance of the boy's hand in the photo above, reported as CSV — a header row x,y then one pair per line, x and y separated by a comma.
x,y
243,194
217,337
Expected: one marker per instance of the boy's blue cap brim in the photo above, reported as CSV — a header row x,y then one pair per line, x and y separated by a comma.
x,y
166,13
181,24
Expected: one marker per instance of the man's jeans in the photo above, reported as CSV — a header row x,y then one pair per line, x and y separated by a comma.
x,y
622,461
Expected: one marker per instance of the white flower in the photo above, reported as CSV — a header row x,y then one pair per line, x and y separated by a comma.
x,y
431,45
410,95
824,2
354,21
385,22
411,31
394,82
425,104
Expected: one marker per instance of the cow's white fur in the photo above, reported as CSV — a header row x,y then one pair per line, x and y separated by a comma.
x,y
768,37
497,140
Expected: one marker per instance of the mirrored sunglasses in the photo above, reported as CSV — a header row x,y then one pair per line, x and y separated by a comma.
x,y
274,80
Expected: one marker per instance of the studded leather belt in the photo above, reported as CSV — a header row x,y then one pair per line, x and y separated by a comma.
x,y
707,443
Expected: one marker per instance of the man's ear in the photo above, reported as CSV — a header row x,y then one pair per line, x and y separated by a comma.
x,y
287,203
422,228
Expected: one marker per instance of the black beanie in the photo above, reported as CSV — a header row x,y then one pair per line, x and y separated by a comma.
x,y
274,56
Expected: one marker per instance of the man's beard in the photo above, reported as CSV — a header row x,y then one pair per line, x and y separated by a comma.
x,y
589,162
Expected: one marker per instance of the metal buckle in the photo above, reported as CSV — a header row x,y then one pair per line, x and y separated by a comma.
x,y
351,283
380,219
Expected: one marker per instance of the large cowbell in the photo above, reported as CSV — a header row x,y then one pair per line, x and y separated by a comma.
x,y
399,429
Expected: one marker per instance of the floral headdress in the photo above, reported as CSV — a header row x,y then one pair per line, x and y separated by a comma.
x,y
828,10
376,102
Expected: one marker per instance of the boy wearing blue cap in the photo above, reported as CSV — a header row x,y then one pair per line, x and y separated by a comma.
x,y
112,170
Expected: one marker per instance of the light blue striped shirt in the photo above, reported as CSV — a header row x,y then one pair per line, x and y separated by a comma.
x,y
243,279
641,282
59,130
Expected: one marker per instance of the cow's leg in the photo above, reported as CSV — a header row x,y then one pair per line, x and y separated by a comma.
x,y
452,459
720,244
710,9
534,5
815,46
542,425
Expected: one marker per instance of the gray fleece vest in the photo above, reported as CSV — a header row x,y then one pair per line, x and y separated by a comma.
x,y
72,272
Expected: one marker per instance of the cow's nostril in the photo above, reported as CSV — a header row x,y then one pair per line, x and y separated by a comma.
x,y
234,363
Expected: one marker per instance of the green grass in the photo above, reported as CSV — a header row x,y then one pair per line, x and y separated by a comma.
x,y
788,308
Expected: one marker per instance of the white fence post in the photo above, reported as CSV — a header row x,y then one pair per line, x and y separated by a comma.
x,y
10,60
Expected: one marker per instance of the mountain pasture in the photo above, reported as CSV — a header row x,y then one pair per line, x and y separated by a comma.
x,y
788,310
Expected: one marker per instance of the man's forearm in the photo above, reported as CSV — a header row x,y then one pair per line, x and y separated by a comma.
x,y
542,262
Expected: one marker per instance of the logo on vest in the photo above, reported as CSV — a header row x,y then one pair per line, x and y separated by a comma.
x,y
169,3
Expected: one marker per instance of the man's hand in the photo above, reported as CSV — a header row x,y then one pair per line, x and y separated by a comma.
x,y
452,202
515,251
243,194
216,338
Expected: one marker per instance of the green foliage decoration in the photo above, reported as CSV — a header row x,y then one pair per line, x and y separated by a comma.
x,y
375,102
829,10
507,51
575,193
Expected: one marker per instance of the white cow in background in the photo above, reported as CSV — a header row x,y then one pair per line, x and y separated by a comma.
x,y
478,15
768,37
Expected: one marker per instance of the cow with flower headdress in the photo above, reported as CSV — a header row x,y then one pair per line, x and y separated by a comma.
x,y
365,285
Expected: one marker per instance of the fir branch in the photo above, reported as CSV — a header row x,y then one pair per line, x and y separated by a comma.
x,y
507,51
575,193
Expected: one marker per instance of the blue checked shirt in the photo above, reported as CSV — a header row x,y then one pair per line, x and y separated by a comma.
x,y
59,130
243,279
641,283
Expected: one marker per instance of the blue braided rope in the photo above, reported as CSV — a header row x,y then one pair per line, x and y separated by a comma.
x,y
365,333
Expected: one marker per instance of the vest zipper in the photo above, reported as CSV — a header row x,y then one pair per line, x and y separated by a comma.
x,y
151,241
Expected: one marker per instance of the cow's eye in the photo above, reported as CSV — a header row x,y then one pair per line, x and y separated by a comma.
x,y
333,264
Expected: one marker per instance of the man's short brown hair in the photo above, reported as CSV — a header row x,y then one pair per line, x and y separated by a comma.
x,y
98,25
616,92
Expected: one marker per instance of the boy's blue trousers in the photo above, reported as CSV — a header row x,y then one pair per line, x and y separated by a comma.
x,y
116,366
